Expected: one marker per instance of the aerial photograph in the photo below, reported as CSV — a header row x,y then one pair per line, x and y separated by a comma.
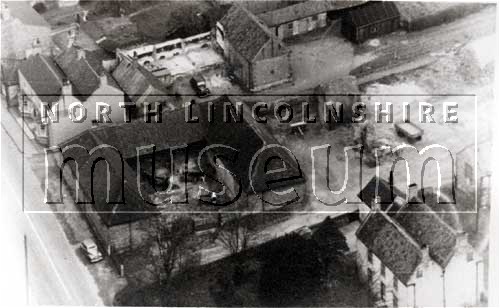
x,y
249,153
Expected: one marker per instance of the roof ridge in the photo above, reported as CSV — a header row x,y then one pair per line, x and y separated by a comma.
x,y
259,22
45,61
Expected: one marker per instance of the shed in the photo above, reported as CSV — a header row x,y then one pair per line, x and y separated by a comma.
x,y
370,20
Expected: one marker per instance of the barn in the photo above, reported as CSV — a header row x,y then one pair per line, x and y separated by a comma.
x,y
370,20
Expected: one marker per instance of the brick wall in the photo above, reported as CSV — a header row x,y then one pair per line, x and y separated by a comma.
x,y
270,72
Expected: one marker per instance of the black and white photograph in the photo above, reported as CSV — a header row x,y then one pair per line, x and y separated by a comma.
x,y
249,153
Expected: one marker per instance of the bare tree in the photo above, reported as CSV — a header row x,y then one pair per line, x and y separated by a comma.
x,y
174,243
237,232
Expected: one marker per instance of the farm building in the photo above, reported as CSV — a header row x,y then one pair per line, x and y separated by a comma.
x,y
256,56
303,17
370,20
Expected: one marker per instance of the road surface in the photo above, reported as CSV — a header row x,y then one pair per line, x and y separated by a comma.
x,y
45,269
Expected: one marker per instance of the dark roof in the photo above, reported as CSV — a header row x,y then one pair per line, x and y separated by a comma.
x,y
137,81
126,204
429,230
262,6
391,244
9,71
387,196
83,69
44,77
372,12
23,11
245,32
248,137
303,10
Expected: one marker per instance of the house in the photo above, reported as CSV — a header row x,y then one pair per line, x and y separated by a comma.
x,y
40,80
9,80
409,256
335,99
122,217
255,56
139,84
370,20
24,31
306,16
74,77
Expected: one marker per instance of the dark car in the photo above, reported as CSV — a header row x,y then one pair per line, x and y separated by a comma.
x,y
200,86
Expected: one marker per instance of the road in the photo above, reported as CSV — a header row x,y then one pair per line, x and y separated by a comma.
x,y
53,273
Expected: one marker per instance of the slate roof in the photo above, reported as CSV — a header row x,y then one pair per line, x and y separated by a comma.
x,y
44,77
384,191
83,72
303,10
23,11
248,137
124,193
245,32
137,81
429,230
391,244
372,12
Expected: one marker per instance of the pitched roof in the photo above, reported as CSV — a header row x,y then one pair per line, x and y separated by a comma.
x,y
44,77
137,81
83,69
129,205
248,137
384,191
372,12
429,230
23,11
303,10
391,244
245,32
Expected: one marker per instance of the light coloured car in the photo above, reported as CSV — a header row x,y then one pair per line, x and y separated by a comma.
x,y
91,251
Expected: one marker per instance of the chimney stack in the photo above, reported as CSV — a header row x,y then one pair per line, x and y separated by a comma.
x,y
412,191
103,78
80,53
376,203
66,89
5,12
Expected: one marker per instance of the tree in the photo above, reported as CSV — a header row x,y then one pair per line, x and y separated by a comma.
x,y
175,245
291,268
237,232
331,242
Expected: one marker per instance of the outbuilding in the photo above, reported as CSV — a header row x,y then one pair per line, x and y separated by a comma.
x,y
370,20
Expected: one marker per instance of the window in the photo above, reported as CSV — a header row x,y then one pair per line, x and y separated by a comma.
x,y
420,273
370,257
469,174
42,132
290,26
470,256
36,42
370,275
373,29
395,283
382,270
382,291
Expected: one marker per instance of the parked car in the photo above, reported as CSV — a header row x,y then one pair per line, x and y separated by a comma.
x,y
90,250
409,130
200,86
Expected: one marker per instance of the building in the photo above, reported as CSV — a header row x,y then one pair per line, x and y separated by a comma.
x,y
24,31
40,80
121,218
139,84
256,57
409,256
306,16
370,20
9,80
74,77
